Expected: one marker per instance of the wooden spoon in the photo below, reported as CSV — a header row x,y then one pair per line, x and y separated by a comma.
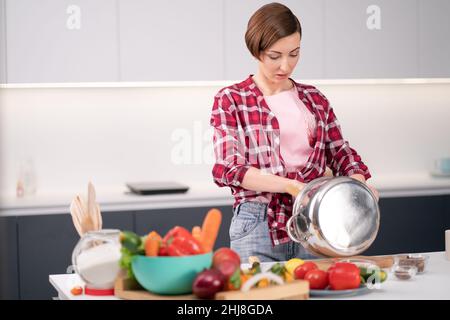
x,y
76,217
86,221
92,208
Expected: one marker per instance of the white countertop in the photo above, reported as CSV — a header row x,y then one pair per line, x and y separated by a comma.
x,y
433,284
117,198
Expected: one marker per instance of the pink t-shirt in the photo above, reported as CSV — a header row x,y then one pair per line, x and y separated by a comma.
x,y
297,127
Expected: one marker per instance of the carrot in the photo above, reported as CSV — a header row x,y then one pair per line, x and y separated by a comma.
x,y
152,243
197,233
210,229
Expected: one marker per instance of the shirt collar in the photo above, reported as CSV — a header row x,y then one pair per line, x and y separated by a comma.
x,y
259,95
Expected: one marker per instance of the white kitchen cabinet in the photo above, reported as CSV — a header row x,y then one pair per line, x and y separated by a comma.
x,y
239,63
371,39
175,40
434,44
2,42
61,41
171,40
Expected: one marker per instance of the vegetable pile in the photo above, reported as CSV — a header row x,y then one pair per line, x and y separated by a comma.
x,y
226,274
178,241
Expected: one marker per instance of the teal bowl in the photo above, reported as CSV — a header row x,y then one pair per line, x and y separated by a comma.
x,y
169,275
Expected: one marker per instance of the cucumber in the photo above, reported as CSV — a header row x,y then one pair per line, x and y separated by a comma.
x,y
376,275
131,241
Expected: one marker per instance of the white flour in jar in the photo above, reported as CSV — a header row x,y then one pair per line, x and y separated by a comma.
x,y
99,265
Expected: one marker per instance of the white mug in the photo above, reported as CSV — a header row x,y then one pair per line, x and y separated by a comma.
x,y
442,165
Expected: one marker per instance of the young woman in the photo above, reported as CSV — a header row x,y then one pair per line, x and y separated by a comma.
x,y
270,132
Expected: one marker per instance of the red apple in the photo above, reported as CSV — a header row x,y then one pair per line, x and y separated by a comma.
x,y
227,268
225,254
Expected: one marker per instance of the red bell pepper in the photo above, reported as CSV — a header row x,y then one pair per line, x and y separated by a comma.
x,y
343,276
163,250
176,232
180,242
183,246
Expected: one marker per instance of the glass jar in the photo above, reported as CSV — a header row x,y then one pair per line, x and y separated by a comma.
x,y
403,272
420,261
96,259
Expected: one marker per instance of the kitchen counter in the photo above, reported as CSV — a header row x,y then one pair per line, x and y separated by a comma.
x,y
433,284
116,199
200,194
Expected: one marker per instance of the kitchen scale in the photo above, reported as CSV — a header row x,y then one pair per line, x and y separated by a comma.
x,y
157,187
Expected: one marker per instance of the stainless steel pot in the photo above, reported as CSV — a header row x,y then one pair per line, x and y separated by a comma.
x,y
334,217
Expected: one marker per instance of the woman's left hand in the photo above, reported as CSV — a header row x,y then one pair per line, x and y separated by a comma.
x,y
375,191
361,178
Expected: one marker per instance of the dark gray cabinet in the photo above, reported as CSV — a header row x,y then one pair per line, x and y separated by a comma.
x,y
9,276
411,225
45,245
447,212
162,220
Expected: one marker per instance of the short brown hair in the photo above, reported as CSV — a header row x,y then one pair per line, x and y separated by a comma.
x,y
267,25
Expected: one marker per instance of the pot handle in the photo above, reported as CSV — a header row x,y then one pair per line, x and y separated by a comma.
x,y
289,227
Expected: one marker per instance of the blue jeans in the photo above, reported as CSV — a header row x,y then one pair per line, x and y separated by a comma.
x,y
249,235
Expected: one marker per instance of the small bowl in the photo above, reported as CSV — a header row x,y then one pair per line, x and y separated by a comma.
x,y
420,261
169,275
403,272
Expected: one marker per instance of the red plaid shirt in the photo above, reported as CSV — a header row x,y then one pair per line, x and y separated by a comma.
x,y
247,134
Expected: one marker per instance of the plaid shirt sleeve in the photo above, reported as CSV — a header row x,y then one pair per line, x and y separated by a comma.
x,y
230,164
340,157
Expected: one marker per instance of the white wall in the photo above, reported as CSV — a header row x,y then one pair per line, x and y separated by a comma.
x,y
114,135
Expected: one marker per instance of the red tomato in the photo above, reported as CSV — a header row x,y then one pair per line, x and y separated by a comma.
x,y
342,264
301,270
318,279
343,276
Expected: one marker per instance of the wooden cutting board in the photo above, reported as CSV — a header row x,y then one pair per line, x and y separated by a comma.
x,y
381,261
296,290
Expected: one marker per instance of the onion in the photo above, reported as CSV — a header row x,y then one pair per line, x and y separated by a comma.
x,y
265,275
